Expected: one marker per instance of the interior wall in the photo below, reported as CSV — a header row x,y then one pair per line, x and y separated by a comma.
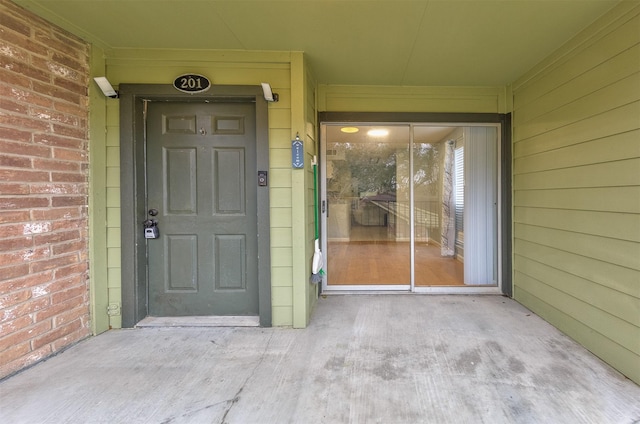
x,y
228,68
576,183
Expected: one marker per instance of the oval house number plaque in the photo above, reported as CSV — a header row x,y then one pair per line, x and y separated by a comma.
x,y
192,83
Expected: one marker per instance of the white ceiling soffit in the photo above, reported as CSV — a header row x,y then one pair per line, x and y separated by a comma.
x,y
364,42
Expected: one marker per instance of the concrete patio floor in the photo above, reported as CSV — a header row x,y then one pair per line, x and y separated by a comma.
x,y
363,359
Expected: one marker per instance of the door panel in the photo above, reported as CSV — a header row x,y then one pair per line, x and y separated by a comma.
x,y
180,171
229,167
181,268
201,176
230,262
368,227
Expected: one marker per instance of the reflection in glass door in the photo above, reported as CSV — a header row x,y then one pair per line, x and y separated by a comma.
x,y
436,262
410,206
367,193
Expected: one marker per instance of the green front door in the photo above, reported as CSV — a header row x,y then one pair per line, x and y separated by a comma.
x,y
202,186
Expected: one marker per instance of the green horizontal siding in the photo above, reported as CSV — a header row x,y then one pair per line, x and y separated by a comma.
x,y
577,189
223,68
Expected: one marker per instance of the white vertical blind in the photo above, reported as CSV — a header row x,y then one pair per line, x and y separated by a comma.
x,y
459,191
448,225
480,217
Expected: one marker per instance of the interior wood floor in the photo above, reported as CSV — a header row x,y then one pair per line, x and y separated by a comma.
x,y
367,260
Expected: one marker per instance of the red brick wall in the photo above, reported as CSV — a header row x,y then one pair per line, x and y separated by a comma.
x,y
44,301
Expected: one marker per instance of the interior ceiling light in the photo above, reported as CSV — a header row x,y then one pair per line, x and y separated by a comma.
x,y
349,130
378,132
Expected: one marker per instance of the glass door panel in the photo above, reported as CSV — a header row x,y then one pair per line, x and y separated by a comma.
x,y
455,194
368,230
434,207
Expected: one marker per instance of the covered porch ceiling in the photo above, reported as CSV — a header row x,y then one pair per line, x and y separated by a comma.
x,y
356,42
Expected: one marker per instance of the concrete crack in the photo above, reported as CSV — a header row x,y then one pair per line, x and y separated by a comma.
x,y
197,411
236,398
231,402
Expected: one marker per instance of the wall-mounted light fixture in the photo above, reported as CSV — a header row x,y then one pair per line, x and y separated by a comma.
x,y
269,95
106,87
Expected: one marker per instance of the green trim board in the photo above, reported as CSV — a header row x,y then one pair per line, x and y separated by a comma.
x,y
98,238
367,98
435,117
299,214
506,212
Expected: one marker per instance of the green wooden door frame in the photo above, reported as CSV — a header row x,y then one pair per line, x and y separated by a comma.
x,y
133,189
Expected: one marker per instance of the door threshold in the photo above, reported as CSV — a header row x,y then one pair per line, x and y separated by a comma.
x,y
463,290
200,321
332,292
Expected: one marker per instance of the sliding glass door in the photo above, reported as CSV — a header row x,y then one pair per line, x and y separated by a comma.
x,y
409,207
367,175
